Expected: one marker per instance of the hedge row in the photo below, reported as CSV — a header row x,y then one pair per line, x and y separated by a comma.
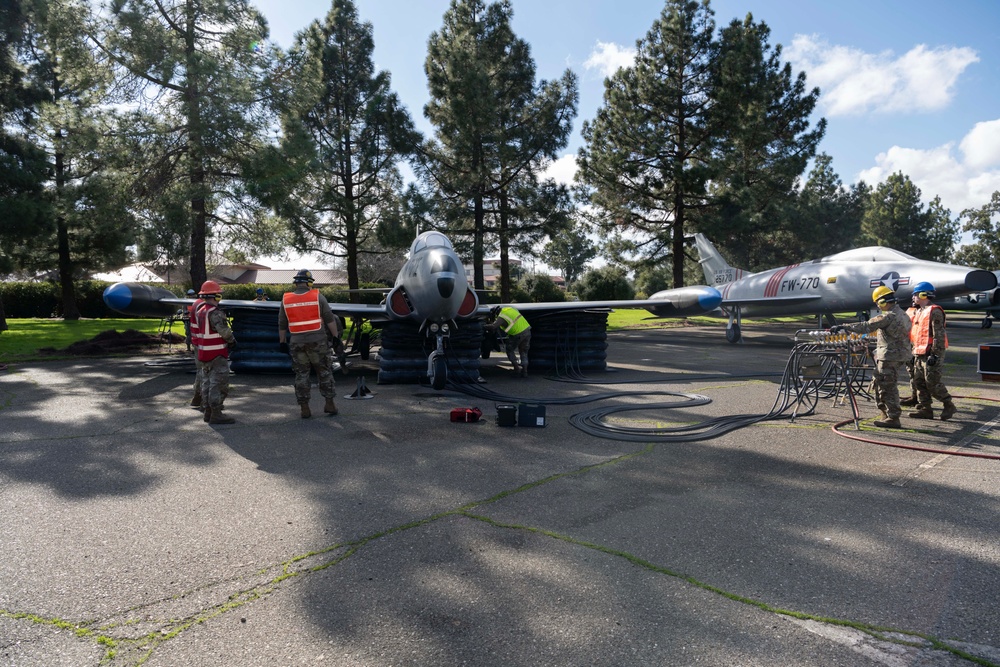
x,y
33,299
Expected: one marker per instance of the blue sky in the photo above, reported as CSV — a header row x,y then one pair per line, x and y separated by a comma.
x,y
911,86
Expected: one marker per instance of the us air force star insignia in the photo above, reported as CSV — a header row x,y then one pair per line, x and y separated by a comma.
x,y
892,280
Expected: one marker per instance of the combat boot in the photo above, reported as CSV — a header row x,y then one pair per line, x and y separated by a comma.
x,y
306,412
218,417
208,413
888,422
949,410
923,413
908,402
330,408
196,401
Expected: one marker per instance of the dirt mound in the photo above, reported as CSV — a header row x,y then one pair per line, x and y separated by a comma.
x,y
111,342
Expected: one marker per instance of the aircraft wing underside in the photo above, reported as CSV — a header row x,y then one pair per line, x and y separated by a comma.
x,y
771,300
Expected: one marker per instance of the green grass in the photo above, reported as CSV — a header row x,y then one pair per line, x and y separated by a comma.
x,y
25,337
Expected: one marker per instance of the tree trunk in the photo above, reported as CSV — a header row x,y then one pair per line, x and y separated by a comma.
x,y
505,285
677,249
199,218
65,262
477,244
3,316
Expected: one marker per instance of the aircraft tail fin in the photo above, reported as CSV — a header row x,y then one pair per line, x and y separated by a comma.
x,y
716,268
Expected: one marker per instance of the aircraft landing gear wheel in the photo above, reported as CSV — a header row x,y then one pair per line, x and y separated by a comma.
x,y
733,333
987,323
440,373
365,345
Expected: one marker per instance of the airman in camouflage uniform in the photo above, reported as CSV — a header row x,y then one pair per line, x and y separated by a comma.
x,y
309,346
930,340
891,352
215,340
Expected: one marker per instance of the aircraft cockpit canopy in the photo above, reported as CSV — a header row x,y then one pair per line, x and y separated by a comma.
x,y
429,240
869,254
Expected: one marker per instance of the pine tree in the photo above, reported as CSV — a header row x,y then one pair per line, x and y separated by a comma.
x,y
344,133
203,70
91,220
23,167
760,119
569,252
825,217
984,251
494,130
647,152
895,217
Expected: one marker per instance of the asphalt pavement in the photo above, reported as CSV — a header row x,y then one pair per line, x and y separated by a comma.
x,y
133,533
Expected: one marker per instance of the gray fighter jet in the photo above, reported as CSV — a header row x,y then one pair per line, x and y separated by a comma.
x,y
430,290
840,283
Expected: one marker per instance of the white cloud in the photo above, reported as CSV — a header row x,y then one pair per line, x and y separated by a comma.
x,y
853,82
562,170
982,145
607,57
960,178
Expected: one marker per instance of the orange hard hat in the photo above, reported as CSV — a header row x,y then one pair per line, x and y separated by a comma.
x,y
210,287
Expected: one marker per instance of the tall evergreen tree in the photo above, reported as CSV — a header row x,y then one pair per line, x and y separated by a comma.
x,y
23,167
92,223
760,119
647,152
984,225
569,252
344,133
895,217
202,67
495,126
826,215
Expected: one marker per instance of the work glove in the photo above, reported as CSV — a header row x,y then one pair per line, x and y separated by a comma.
x,y
837,328
232,344
932,360
283,347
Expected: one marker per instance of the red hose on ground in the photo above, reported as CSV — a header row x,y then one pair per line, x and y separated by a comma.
x,y
995,457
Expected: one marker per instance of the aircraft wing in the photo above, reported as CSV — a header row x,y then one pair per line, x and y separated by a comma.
x,y
152,301
772,300
679,302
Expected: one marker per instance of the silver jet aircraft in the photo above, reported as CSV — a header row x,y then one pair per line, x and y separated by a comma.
x,y
840,283
431,290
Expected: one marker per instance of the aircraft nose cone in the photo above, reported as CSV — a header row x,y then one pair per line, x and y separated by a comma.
x,y
446,286
118,297
710,300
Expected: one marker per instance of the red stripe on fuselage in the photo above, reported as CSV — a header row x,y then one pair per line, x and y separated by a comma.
x,y
775,282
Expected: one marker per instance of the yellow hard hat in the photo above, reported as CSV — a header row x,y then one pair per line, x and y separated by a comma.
x,y
883,293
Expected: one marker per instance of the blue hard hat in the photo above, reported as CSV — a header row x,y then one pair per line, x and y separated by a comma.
x,y
260,290
924,287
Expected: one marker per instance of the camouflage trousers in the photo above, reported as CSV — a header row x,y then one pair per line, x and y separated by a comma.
x,y
306,356
886,387
910,372
215,381
927,380
199,375
520,344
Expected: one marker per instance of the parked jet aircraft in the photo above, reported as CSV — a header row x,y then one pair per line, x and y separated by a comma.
x,y
988,301
835,284
430,290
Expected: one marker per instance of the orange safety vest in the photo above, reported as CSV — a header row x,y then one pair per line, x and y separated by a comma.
x,y
193,322
302,311
920,332
212,345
